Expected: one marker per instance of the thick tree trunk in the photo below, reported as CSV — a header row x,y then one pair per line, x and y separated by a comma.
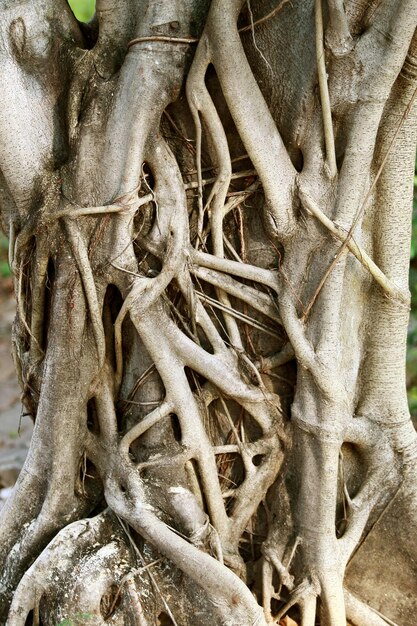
x,y
209,209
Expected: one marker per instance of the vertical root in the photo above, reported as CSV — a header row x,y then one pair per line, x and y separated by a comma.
x,y
80,253
324,91
201,102
333,611
308,608
246,102
38,298
338,37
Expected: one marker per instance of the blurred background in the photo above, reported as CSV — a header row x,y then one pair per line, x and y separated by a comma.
x,y
412,328
83,9
16,427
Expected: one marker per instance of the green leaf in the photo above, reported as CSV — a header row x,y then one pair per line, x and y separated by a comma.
x,y
83,9
412,401
4,269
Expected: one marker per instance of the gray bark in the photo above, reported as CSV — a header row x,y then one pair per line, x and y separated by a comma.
x,y
209,214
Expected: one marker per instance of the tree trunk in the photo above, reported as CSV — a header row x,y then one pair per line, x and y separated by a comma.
x,y
209,212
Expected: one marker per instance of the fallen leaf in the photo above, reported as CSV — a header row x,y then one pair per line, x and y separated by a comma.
x,y
287,621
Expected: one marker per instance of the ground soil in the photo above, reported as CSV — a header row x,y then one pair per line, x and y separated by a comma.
x,y
15,428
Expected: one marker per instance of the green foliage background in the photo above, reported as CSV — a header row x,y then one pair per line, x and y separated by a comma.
x,y
83,9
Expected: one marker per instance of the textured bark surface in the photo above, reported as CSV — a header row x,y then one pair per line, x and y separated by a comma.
x,y
209,213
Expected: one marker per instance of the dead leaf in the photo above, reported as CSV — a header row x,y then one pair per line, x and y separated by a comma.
x,y
287,621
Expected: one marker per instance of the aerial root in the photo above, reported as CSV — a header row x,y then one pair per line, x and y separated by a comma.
x,y
80,253
282,570
388,286
305,595
245,101
202,104
127,204
258,300
305,589
170,230
150,420
198,447
308,609
20,301
236,268
268,363
324,91
135,602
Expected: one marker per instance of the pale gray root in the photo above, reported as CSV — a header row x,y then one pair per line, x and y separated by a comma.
x,y
140,310
324,92
323,409
41,481
126,496
201,104
245,101
173,411
387,285
243,270
233,602
256,299
338,38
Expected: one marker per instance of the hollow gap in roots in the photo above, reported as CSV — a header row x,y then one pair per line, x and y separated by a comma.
x,y
112,304
164,619
141,389
297,158
251,427
352,473
49,290
88,484
147,223
197,473
231,475
257,459
203,340
30,620
195,380
93,424
149,265
275,606
110,601
25,296
148,176
181,311
340,140
255,535
90,32
176,427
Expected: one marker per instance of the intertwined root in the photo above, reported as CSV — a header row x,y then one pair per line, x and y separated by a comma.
x,y
149,344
